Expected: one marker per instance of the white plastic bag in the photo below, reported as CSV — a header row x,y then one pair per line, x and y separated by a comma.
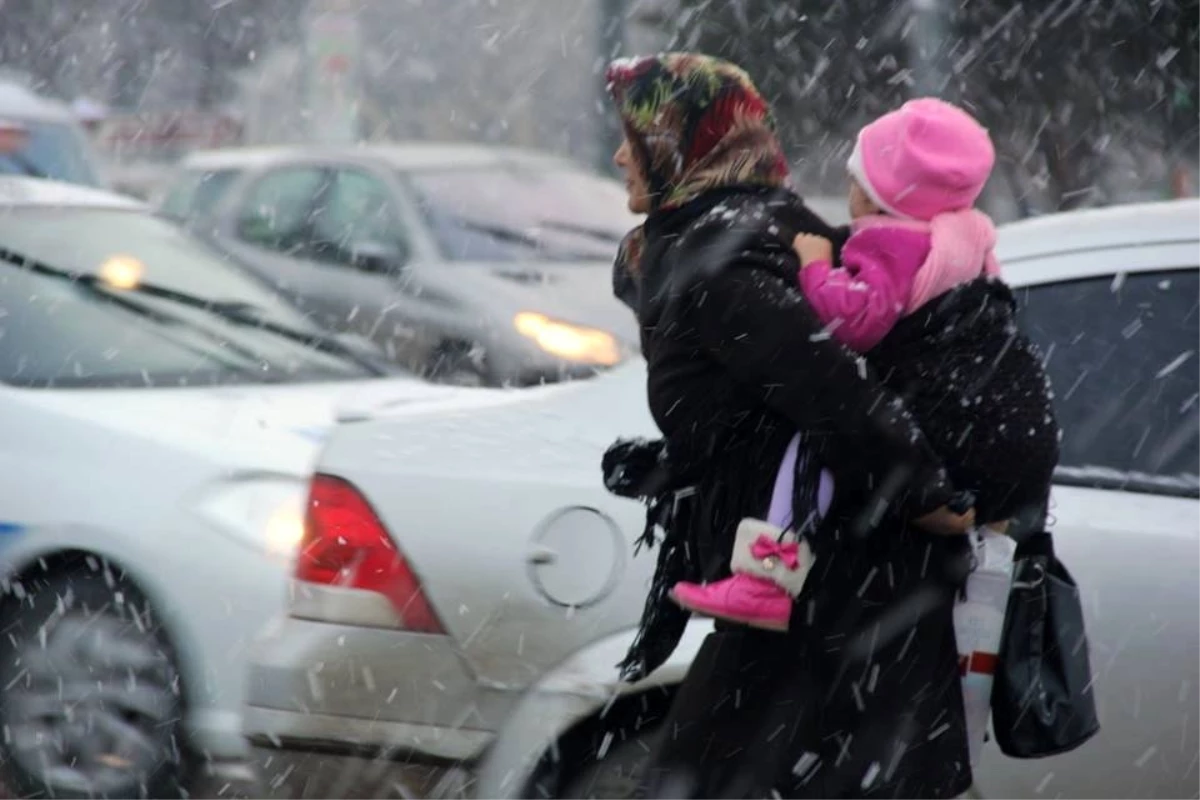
x,y
978,623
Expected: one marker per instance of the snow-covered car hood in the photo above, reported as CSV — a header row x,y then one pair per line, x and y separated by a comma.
x,y
556,432
276,427
452,403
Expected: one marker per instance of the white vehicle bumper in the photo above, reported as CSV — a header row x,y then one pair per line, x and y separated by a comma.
x,y
378,692
368,691
579,688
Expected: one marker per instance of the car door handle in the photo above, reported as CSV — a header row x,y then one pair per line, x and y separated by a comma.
x,y
542,555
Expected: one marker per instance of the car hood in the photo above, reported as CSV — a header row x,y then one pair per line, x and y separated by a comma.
x,y
497,474
554,433
276,428
579,292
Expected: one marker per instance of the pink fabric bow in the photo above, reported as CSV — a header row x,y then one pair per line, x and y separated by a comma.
x,y
766,547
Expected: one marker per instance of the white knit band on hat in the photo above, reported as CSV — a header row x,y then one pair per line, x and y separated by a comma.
x,y
854,165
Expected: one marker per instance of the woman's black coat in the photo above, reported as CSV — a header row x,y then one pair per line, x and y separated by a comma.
x,y
863,695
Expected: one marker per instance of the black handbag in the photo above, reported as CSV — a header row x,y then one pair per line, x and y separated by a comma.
x,y
1042,699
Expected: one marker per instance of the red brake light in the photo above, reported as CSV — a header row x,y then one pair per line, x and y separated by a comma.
x,y
345,544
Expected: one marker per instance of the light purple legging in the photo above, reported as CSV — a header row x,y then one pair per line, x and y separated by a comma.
x,y
780,512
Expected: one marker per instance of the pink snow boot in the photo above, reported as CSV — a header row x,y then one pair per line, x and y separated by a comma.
x,y
769,568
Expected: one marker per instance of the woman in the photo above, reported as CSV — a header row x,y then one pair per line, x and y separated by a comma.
x,y
862,696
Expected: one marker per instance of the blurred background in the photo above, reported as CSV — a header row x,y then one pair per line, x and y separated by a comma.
x,y
1115,121
310,286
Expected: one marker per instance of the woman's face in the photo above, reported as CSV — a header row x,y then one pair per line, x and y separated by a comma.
x,y
635,181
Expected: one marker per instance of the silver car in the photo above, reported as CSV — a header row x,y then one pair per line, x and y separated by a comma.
x,y
501,590
467,264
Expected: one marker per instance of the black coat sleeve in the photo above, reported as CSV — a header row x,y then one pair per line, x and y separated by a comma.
x,y
747,315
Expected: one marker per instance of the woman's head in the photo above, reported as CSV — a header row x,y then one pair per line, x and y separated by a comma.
x,y
926,158
692,123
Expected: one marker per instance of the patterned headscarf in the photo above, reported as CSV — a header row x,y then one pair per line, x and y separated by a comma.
x,y
696,123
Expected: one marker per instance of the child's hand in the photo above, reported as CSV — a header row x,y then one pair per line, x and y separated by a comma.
x,y
810,247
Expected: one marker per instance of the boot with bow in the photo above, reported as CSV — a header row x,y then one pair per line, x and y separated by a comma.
x,y
769,567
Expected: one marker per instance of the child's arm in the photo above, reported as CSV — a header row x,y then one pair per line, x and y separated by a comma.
x,y
767,336
864,298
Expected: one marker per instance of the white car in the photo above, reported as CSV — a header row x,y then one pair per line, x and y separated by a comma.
x,y
160,413
503,589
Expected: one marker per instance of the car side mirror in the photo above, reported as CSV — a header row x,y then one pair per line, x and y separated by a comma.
x,y
379,257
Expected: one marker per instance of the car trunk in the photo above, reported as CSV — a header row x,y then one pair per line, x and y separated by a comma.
x,y
520,472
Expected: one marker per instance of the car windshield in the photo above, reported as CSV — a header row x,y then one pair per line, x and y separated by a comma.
x,y
64,333
49,150
521,211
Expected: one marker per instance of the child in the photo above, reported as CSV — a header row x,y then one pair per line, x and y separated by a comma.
x,y
916,174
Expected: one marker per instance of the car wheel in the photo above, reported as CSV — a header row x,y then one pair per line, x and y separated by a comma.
x,y
614,769
91,704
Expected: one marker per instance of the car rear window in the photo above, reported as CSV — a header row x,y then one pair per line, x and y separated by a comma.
x,y
1121,353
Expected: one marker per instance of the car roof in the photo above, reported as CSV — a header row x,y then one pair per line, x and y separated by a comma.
x,y
1133,224
18,191
1136,237
20,103
402,155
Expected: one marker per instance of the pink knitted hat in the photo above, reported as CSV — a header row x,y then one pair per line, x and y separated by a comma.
x,y
924,159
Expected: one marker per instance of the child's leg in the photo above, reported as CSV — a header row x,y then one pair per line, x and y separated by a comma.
x,y
769,563
779,513
769,567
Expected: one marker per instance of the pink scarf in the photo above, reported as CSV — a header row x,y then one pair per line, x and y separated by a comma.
x,y
961,249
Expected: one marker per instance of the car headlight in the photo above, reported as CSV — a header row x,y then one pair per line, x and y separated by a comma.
x,y
266,513
569,342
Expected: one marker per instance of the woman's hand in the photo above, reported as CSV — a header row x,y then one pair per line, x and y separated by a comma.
x,y
945,522
635,468
810,248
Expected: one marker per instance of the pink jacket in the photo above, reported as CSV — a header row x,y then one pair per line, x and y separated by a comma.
x,y
891,267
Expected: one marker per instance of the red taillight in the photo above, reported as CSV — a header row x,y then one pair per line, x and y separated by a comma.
x,y
345,544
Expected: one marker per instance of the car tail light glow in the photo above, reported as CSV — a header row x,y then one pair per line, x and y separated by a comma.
x,y
345,544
